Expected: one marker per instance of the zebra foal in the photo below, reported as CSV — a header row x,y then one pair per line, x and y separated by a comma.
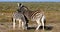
x,y
20,17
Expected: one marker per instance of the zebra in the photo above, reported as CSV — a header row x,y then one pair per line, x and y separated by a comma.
x,y
37,15
18,15
21,18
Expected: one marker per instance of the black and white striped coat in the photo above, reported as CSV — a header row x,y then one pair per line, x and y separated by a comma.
x,y
33,15
37,16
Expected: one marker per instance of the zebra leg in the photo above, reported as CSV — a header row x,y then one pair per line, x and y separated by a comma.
x,y
23,25
42,20
13,23
27,21
39,24
20,23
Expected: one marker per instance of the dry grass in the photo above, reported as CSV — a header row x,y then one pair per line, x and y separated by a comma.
x,y
52,18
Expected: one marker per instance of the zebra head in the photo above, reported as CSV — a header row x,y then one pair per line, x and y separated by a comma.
x,y
21,8
20,5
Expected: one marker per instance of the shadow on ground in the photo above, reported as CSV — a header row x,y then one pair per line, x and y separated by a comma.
x,y
46,27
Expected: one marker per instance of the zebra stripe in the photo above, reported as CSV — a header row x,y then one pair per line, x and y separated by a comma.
x,y
36,14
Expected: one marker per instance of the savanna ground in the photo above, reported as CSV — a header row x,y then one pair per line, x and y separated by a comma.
x,y
51,10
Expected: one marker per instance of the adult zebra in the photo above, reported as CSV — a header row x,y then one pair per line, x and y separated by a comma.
x,y
37,16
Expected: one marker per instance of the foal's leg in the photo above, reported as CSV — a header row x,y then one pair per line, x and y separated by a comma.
x,y
27,21
13,23
24,25
19,23
42,20
39,24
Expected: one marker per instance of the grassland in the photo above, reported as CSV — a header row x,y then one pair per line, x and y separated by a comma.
x,y
51,9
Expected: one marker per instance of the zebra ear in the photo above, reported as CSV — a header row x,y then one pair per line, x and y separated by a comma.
x,y
18,4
